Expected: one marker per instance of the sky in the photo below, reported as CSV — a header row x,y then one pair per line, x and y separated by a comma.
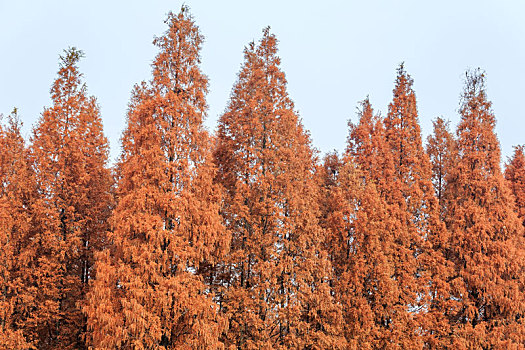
x,y
334,54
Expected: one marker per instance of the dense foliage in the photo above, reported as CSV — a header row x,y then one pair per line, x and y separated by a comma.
x,y
245,239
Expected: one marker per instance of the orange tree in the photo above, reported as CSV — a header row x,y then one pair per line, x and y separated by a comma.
x,y
69,156
17,191
149,293
361,252
390,153
441,149
486,235
278,295
515,175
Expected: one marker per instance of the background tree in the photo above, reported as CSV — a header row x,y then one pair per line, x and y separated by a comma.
x,y
149,293
69,156
441,149
391,154
17,189
277,294
486,235
515,175
361,252
366,146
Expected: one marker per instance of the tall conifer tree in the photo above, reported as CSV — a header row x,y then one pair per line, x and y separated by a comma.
x,y
361,252
390,152
515,175
17,190
486,235
69,154
278,293
441,149
148,293
422,237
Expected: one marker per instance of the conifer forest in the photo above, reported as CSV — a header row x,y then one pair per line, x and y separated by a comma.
x,y
247,237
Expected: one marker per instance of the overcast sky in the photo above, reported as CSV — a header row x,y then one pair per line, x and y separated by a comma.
x,y
334,54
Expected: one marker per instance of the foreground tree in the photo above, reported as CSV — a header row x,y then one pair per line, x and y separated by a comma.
x,y
17,189
486,235
422,269
149,293
391,154
69,156
277,294
515,175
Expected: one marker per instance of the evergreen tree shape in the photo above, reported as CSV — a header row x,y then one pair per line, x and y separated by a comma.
x,y
356,220
278,295
441,149
486,235
149,293
420,233
391,154
515,175
17,188
69,154
366,146
411,183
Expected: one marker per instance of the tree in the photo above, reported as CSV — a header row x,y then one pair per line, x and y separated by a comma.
x,y
149,292
361,252
69,155
486,235
423,269
277,293
390,153
366,146
515,175
17,189
441,149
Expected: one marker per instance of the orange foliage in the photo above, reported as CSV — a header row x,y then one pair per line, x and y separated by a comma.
x,y
361,253
515,175
244,239
486,236
69,212
149,293
441,149
17,190
277,292
389,152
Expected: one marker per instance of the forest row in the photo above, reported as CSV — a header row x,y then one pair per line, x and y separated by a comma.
x,y
245,238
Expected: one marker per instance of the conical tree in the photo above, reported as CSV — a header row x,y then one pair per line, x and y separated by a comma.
x,y
69,154
487,237
148,293
441,149
17,189
422,237
361,252
366,146
390,152
411,186
277,295
515,175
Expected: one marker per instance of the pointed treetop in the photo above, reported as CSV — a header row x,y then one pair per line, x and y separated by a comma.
x,y
474,83
474,97
70,57
404,81
268,46
12,118
176,67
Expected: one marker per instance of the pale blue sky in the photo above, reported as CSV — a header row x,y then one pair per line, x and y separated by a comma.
x,y
334,53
